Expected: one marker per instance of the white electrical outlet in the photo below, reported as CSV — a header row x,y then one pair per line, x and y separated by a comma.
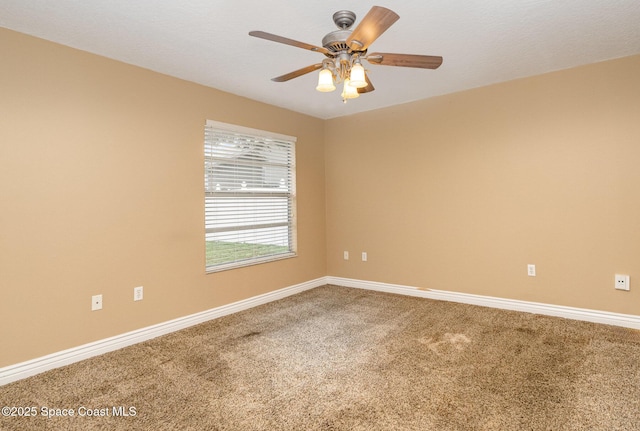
x,y
137,293
531,270
622,282
364,256
345,255
96,302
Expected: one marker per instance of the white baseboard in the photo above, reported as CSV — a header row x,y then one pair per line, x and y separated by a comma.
x,y
604,317
36,366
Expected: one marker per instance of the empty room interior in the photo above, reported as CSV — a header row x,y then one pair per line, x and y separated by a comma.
x,y
501,180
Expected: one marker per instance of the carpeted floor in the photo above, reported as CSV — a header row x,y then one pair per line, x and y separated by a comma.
x,y
336,358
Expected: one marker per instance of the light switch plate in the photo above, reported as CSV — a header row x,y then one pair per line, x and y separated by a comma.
x,y
137,293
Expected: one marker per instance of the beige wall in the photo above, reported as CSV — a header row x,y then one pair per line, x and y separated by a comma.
x,y
101,184
461,192
101,191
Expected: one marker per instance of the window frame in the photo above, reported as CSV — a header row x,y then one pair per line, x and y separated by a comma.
x,y
265,138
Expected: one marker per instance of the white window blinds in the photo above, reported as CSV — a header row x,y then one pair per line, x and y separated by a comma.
x,y
249,196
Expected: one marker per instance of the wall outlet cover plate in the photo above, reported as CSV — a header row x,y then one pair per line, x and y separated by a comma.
x,y
622,282
96,302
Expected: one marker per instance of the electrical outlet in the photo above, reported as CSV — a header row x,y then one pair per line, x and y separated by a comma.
x,y
345,255
531,270
137,293
364,256
96,302
622,282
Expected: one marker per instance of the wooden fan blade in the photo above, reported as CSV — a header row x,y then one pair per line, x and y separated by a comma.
x,y
375,22
405,60
297,73
286,41
369,88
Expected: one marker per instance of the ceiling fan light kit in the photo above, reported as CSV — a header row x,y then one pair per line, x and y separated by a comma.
x,y
325,81
348,91
356,77
345,48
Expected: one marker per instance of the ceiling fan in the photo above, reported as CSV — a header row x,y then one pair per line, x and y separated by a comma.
x,y
345,48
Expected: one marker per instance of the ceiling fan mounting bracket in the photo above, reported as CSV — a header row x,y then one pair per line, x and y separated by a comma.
x,y
344,19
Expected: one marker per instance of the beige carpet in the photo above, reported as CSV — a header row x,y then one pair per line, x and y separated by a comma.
x,y
336,358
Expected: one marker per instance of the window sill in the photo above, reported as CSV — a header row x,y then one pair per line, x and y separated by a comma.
x,y
249,262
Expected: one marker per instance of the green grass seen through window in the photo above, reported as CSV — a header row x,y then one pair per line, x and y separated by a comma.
x,y
219,252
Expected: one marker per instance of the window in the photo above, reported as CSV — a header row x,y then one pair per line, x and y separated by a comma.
x,y
250,199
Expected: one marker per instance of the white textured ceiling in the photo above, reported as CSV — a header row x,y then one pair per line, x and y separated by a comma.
x,y
482,41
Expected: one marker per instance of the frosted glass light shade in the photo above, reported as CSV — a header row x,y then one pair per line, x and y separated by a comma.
x,y
357,78
325,81
349,92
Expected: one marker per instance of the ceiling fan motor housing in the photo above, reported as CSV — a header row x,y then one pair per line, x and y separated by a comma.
x,y
336,41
